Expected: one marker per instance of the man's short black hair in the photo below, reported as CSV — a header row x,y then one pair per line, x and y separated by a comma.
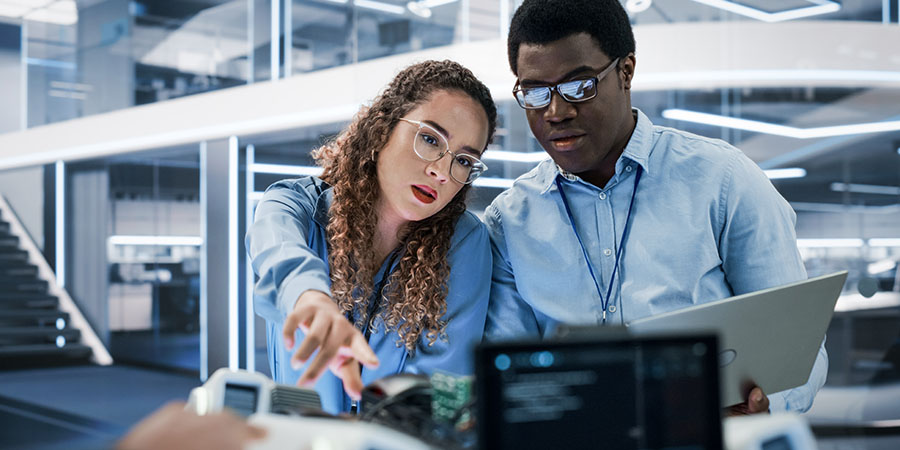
x,y
545,21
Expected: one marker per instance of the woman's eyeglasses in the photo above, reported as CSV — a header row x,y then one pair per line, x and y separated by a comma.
x,y
431,145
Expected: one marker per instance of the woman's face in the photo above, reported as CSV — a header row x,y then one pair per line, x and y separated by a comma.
x,y
413,189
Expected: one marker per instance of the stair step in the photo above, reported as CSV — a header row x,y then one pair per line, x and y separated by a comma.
x,y
22,285
19,296
19,270
37,335
41,317
43,355
13,256
4,227
9,242
29,302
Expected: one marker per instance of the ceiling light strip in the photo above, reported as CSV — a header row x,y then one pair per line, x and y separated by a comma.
x,y
819,7
778,75
779,130
792,172
122,239
865,188
829,243
285,169
503,155
884,242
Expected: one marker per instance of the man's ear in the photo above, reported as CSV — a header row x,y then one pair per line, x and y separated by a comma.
x,y
626,71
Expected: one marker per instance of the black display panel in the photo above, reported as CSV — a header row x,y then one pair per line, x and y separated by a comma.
x,y
623,393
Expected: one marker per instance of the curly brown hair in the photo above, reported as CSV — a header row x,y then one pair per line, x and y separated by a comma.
x,y
415,294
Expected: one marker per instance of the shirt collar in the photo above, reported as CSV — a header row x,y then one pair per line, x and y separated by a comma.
x,y
323,204
638,149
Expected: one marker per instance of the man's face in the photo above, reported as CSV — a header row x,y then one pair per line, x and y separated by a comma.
x,y
584,138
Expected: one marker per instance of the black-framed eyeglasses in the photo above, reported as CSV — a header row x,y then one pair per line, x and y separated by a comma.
x,y
574,91
431,145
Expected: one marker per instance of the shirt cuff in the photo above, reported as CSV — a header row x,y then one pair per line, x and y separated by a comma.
x,y
777,403
290,291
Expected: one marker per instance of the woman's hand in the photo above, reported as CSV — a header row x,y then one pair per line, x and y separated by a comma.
x,y
341,346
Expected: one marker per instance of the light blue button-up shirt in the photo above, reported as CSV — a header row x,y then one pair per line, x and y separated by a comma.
x,y
707,224
288,248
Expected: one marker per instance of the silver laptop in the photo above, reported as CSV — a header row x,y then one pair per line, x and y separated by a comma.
x,y
769,338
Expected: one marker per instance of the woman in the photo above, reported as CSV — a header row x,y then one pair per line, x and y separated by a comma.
x,y
378,261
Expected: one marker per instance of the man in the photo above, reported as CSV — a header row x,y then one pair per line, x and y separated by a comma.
x,y
628,219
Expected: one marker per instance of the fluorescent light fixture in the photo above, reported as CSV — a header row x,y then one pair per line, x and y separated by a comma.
x,y
884,242
779,130
419,9
637,6
865,188
787,75
285,169
503,155
249,315
233,315
60,222
792,172
122,239
204,265
342,2
881,266
829,243
818,7
500,183
379,6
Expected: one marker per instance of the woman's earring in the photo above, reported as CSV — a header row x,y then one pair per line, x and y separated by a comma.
x,y
373,155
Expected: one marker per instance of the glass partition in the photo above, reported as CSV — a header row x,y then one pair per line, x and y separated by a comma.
x,y
133,246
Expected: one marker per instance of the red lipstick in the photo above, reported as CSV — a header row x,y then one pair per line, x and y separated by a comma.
x,y
424,194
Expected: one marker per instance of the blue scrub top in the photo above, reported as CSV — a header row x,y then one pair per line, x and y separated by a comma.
x,y
288,249
707,224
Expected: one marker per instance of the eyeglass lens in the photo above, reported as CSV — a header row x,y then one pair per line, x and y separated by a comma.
x,y
431,146
573,91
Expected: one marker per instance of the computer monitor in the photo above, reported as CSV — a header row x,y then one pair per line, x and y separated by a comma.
x,y
599,392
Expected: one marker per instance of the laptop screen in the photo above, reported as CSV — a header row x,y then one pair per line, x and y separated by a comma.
x,y
623,393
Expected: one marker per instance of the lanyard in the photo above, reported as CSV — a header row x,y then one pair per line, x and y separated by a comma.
x,y
377,294
604,303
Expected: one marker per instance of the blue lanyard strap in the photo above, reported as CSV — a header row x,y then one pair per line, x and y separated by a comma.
x,y
604,303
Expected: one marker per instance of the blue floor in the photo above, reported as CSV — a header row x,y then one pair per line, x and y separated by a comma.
x,y
81,407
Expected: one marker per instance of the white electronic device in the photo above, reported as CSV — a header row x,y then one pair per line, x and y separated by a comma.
x,y
246,393
769,338
302,433
265,403
782,431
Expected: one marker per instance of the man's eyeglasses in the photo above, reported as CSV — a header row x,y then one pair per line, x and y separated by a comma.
x,y
431,145
574,91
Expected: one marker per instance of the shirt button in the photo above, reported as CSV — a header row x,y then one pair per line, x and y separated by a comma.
x,y
602,196
612,308
628,168
607,251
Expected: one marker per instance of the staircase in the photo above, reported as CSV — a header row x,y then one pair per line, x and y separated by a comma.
x,y
39,324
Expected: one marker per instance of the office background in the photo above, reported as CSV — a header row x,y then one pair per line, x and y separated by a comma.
x,y
138,135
